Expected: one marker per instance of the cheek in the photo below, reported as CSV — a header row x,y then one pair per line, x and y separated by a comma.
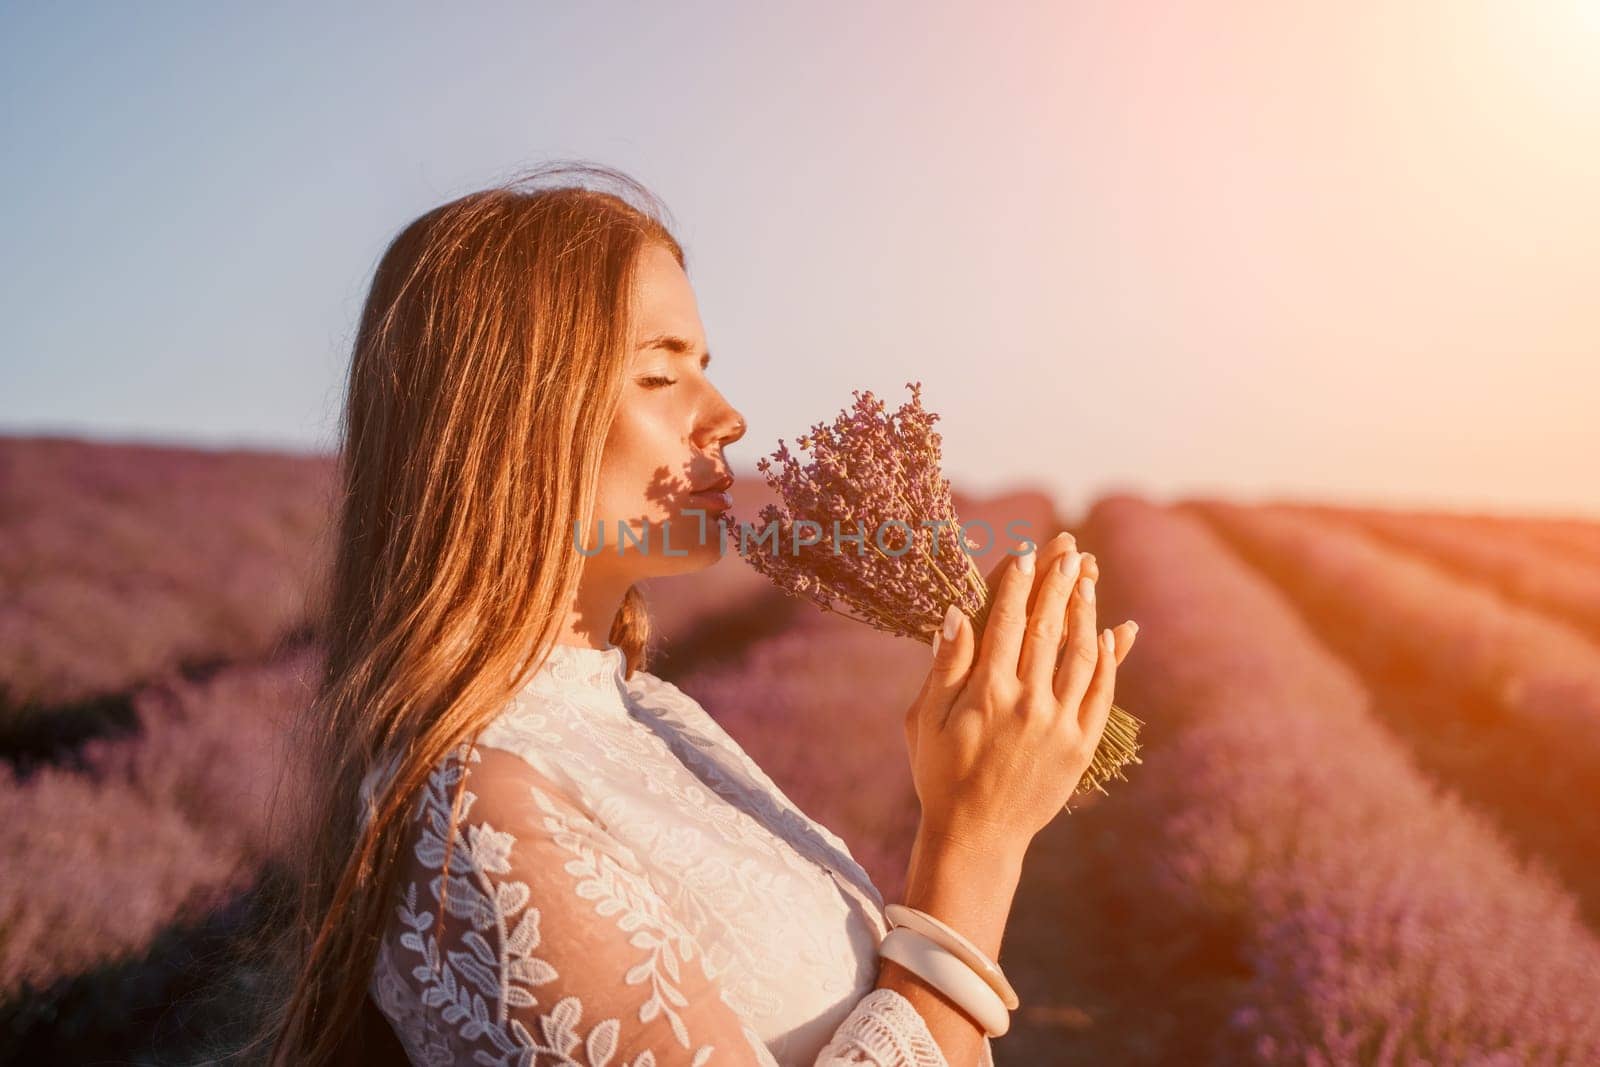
x,y
640,440
642,455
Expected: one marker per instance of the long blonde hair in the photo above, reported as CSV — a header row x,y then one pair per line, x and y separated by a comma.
x,y
487,368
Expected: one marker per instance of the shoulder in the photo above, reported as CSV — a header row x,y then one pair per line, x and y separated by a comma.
x,y
642,681
664,701
661,698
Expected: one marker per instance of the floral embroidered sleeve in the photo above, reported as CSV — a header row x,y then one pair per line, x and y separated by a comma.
x,y
547,942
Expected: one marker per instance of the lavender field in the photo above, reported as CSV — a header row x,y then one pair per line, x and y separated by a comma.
x,y
1365,830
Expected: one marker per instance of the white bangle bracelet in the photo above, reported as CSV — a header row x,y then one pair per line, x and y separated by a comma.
x,y
946,972
970,954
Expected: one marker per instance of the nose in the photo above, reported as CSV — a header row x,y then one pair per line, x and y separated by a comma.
x,y
722,429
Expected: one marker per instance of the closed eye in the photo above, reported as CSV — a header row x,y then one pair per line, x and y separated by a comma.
x,y
656,381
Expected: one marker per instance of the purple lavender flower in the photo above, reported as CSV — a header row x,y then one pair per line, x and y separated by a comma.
x,y
867,528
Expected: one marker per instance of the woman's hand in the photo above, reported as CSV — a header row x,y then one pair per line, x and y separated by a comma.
x,y
999,743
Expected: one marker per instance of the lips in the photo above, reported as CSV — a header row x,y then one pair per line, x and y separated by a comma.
x,y
715,496
720,485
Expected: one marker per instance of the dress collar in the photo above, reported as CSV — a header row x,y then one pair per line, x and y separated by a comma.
x,y
579,669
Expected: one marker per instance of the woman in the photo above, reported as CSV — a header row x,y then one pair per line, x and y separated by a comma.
x,y
529,849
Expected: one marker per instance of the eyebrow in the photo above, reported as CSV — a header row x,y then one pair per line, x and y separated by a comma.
x,y
676,345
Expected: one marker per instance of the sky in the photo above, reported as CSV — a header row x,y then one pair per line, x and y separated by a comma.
x,y
1345,251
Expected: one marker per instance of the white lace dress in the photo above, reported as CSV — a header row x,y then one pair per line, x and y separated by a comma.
x,y
626,886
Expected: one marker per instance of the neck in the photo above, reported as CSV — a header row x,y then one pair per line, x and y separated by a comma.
x,y
595,605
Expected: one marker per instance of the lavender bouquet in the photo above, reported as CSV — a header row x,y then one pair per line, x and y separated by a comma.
x,y
867,528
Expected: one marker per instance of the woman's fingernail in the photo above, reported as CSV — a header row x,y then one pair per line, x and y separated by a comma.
x,y
938,635
952,622
1109,640
1086,588
1025,562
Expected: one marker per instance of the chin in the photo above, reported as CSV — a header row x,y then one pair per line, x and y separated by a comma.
x,y
696,559
695,544
677,547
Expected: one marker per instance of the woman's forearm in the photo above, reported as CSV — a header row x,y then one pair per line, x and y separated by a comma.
x,y
969,884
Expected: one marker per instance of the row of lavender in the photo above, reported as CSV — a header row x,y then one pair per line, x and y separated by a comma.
x,y
1481,647
1280,854
123,563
